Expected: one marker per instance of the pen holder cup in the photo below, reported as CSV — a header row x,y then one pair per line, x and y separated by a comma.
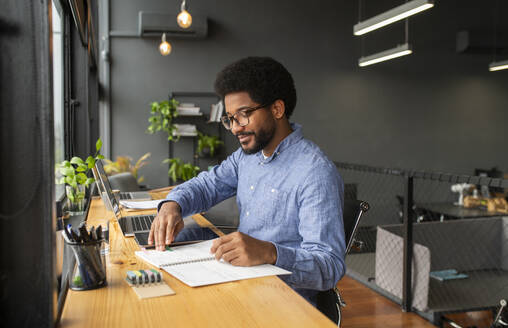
x,y
90,268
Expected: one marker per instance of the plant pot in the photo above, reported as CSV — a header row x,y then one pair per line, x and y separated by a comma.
x,y
205,152
75,199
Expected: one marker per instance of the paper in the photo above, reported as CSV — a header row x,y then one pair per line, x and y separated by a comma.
x,y
194,265
141,205
158,290
215,272
178,254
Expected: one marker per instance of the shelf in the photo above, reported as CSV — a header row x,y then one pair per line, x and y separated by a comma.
x,y
185,135
201,120
180,114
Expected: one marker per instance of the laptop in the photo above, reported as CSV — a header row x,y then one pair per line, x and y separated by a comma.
x,y
191,233
135,195
128,224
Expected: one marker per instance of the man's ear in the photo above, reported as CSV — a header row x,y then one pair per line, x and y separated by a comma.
x,y
278,109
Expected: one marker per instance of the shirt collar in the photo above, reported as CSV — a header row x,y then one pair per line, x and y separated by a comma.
x,y
287,142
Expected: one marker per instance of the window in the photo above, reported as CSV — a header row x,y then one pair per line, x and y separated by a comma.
x,y
58,89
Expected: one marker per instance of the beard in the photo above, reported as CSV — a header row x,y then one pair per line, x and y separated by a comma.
x,y
261,139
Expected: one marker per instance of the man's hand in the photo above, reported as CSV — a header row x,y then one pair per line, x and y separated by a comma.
x,y
166,225
242,250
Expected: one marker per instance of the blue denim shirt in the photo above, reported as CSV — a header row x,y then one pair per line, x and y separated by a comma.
x,y
292,199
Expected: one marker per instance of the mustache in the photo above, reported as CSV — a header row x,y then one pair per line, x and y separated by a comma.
x,y
244,134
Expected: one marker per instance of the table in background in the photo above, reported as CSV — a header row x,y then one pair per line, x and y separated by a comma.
x,y
260,302
451,211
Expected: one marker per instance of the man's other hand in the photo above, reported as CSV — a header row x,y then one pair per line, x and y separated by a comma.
x,y
240,249
166,225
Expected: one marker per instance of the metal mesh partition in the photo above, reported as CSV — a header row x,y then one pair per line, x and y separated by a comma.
x,y
424,248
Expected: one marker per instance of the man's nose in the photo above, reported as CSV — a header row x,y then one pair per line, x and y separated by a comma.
x,y
236,128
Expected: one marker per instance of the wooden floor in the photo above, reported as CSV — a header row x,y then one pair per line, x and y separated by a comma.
x,y
366,308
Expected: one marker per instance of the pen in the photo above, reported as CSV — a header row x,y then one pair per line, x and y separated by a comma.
x,y
151,276
157,275
75,236
67,234
145,276
99,232
93,233
131,277
84,234
64,235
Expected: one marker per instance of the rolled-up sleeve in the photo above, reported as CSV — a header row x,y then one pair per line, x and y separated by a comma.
x,y
208,188
319,261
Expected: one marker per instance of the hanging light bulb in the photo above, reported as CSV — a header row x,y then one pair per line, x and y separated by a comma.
x,y
184,19
164,47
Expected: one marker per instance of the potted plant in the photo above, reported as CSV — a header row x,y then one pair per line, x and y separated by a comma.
x,y
75,175
179,171
208,145
161,117
124,164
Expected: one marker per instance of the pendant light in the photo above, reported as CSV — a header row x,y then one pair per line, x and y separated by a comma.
x,y
393,15
164,47
184,19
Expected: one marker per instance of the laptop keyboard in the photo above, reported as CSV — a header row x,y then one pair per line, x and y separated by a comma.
x,y
142,222
125,195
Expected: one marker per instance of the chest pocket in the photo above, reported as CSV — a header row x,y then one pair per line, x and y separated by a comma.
x,y
273,205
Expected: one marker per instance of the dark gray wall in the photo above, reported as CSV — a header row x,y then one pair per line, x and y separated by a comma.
x,y
434,109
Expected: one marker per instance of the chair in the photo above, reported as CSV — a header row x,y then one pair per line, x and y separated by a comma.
x,y
501,319
419,214
329,302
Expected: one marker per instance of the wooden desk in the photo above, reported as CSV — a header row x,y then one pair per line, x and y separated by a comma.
x,y
260,302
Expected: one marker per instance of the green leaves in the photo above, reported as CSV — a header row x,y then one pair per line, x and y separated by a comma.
x,y
211,142
161,117
76,160
90,162
98,145
67,171
76,171
179,170
75,174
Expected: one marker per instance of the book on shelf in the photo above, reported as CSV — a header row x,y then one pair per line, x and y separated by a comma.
x,y
195,266
216,112
185,130
188,110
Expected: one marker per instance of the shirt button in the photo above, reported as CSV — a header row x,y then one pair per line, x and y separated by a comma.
x,y
247,213
251,187
273,190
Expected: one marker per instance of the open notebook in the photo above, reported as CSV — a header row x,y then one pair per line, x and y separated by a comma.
x,y
195,266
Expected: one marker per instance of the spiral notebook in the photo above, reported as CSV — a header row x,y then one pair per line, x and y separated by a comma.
x,y
195,266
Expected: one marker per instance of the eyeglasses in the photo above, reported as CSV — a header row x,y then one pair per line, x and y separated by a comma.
x,y
241,118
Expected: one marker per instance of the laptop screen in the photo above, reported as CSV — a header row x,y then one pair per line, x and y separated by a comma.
x,y
107,188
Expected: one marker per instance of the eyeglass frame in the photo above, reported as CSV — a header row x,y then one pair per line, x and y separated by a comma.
x,y
243,111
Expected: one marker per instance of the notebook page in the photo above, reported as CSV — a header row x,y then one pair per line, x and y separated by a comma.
x,y
215,272
178,254
141,205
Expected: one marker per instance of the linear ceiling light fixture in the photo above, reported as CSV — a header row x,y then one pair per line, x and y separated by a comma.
x,y
497,66
399,51
391,16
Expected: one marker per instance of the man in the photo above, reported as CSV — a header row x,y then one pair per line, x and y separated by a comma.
x,y
289,194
